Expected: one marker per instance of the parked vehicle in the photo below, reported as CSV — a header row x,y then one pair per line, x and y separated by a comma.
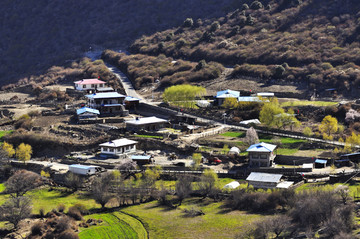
x,y
214,160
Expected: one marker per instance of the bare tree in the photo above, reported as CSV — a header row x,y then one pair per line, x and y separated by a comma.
x,y
207,182
126,167
343,192
21,182
16,209
251,136
73,181
183,188
100,188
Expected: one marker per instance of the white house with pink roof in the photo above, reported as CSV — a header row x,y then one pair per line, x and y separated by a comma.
x,y
89,84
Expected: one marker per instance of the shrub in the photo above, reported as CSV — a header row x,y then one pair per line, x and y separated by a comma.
x,y
75,213
36,228
188,22
256,5
61,207
244,7
308,132
193,212
68,234
214,26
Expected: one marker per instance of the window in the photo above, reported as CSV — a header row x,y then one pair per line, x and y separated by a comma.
x,y
101,85
84,86
92,85
263,156
255,156
112,150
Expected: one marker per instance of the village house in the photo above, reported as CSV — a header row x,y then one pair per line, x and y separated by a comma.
x,y
261,155
119,147
267,180
87,113
131,102
89,85
146,123
108,103
222,95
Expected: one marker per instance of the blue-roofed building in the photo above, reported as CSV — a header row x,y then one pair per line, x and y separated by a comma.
x,y
224,94
87,113
108,103
261,154
320,163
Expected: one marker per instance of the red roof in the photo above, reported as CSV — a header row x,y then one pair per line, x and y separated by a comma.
x,y
89,81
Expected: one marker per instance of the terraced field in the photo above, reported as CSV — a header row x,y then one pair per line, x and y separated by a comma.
x,y
114,225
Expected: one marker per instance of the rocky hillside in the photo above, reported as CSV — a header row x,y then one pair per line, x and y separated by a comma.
x,y
313,44
37,34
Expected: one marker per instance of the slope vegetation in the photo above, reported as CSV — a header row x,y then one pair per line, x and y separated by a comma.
x,y
312,43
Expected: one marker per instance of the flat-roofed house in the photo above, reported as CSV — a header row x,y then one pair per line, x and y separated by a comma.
x,y
87,113
89,84
263,180
108,103
119,147
261,154
146,123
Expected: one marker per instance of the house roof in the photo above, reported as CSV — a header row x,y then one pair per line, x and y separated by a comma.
x,y
234,150
265,94
264,177
227,94
252,121
86,109
105,95
233,184
248,99
146,120
140,157
86,167
105,89
89,81
119,143
131,98
285,184
261,147
321,161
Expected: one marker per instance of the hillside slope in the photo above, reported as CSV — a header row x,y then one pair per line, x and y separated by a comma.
x,y
312,43
36,35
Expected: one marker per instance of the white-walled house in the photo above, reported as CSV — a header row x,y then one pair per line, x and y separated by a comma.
x,y
261,154
152,123
222,95
119,147
89,84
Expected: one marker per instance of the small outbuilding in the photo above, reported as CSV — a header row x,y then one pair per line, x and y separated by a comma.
x,y
87,113
234,150
142,159
131,102
84,169
267,180
232,185
320,163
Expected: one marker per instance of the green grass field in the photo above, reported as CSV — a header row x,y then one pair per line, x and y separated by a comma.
x,y
307,102
46,199
148,136
114,225
172,223
234,134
